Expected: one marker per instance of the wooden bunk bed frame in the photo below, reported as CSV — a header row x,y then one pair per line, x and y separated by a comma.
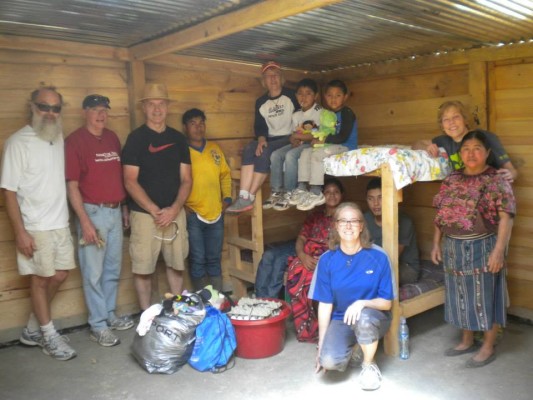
x,y
243,272
391,197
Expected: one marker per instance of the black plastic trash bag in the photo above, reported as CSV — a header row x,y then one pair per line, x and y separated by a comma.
x,y
169,343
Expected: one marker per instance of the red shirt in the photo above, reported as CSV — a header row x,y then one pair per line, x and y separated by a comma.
x,y
94,162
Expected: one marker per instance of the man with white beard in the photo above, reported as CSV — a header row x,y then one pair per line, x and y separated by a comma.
x,y
33,182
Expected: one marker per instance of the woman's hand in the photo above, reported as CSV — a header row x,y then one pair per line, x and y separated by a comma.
x,y
318,367
506,174
353,312
436,254
496,260
433,150
309,262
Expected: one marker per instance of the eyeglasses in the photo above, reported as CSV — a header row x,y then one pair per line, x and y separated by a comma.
x,y
173,227
345,222
47,108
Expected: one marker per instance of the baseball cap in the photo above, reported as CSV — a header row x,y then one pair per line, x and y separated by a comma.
x,y
270,65
95,100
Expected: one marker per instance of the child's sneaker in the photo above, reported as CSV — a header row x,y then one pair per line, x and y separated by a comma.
x,y
274,197
31,338
296,196
55,346
310,201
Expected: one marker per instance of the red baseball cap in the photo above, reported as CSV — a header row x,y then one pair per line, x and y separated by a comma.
x,y
269,65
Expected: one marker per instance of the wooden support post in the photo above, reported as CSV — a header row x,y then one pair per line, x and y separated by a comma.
x,y
389,209
136,84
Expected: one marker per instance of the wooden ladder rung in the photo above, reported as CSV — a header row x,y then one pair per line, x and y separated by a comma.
x,y
245,274
242,243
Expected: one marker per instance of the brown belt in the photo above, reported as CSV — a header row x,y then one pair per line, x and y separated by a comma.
x,y
109,205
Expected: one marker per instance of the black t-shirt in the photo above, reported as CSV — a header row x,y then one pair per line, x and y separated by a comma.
x,y
159,157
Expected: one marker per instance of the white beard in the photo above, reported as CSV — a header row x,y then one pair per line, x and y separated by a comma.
x,y
46,129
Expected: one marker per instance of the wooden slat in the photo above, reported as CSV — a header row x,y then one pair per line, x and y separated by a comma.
x,y
422,302
402,113
420,86
64,47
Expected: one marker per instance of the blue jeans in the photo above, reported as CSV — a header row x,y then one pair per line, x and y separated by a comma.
x,y
100,267
269,277
288,156
205,246
341,338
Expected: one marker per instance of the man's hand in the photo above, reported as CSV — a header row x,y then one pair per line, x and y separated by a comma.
x,y
166,216
261,144
125,217
25,244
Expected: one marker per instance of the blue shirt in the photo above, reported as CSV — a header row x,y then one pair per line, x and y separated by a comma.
x,y
341,279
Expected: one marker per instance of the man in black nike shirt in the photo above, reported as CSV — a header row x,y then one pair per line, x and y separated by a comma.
x,y
157,176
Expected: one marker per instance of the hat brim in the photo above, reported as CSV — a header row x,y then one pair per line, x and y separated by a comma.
x,y
154,98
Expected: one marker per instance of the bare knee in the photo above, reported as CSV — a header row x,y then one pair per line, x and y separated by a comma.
x,y
60,276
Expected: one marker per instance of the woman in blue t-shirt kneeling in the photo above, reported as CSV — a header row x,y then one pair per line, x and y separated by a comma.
x,y
353,285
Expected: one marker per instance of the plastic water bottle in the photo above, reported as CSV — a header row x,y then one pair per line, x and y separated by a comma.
x,y
404,339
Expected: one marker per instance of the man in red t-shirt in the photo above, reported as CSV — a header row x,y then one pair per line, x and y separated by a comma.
x,y
96,191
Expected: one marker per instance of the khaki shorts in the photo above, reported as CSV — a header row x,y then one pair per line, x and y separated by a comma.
x,y
146,243
55,251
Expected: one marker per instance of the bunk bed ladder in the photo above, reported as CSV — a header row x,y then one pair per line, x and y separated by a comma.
x,y
245,232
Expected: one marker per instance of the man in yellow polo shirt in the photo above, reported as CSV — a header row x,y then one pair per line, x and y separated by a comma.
x,y
209,198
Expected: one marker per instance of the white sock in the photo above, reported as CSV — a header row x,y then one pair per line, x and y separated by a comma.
x,y
252,197
48,329
33,324
245,194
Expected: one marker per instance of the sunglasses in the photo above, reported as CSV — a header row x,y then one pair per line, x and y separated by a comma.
x,y
47,108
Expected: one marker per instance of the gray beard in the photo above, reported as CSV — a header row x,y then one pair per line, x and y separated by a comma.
x,y
47,130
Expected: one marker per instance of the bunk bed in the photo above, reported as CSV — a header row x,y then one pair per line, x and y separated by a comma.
x,y
398,167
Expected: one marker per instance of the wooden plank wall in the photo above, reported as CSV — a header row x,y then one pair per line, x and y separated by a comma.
x,y
511,115
394,102
225,91
75,77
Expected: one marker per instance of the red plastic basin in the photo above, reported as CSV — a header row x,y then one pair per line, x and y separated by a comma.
x,y
261,338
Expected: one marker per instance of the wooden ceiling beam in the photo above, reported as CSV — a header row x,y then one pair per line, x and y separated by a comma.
x,y
224,25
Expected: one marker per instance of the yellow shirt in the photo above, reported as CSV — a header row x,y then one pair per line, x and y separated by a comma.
x,y
211,181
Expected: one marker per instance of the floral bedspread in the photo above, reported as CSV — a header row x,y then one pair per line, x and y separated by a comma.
x,y
407,165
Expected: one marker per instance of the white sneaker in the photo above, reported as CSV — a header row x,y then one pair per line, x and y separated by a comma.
x,y
296,196
370,377
55,346
104,337
274,197
310,201
31,338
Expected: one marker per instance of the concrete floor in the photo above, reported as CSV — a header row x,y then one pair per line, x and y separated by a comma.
x,y
111,373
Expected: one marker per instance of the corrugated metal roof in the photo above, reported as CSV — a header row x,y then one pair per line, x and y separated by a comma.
x,y
119,23
351,32
357,32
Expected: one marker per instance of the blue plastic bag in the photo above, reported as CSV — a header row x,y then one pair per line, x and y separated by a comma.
x,y
215,343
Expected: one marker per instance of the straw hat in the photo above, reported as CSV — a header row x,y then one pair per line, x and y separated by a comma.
x,y
155,91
